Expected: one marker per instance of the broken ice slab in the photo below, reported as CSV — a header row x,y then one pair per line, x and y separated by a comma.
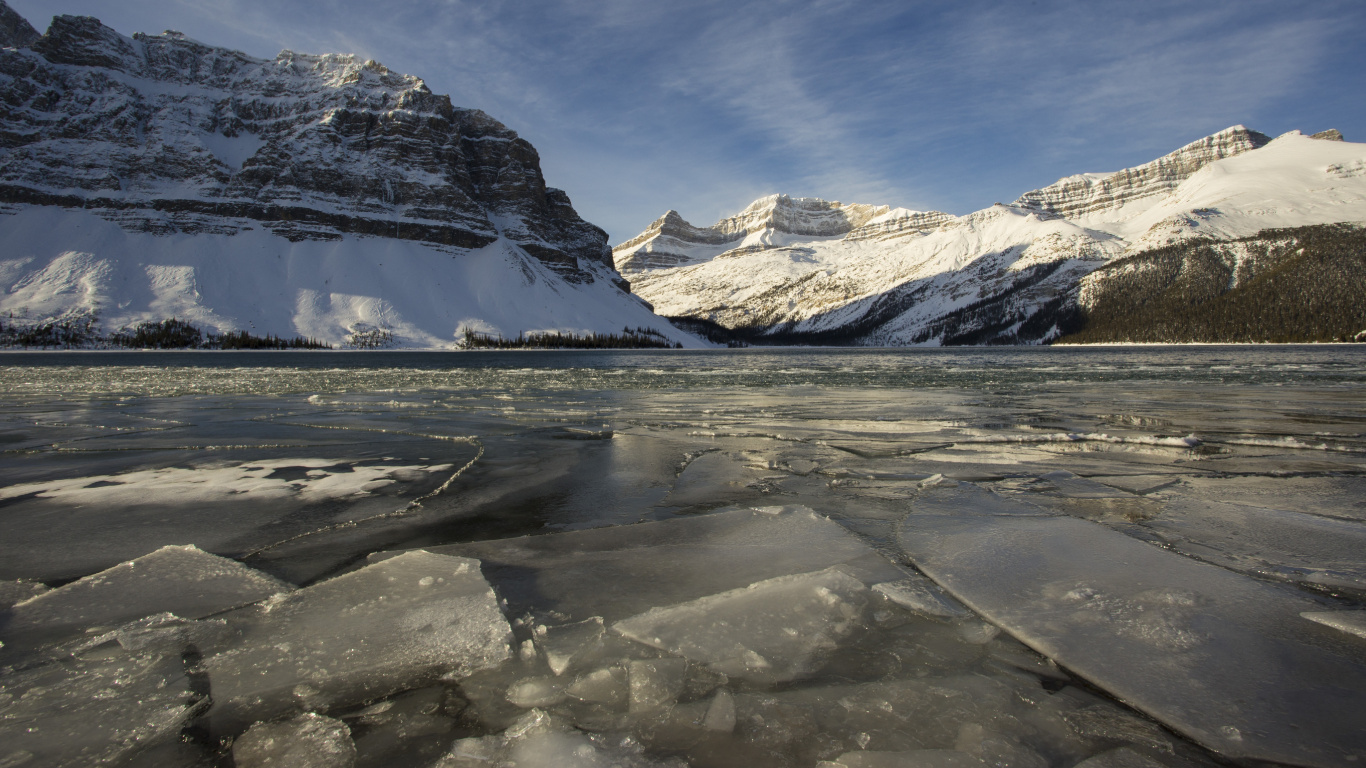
x,y
182,580
163,633
1284,465
1141,485
624,570
1065,492
1290,546
1341,496
895,715
1351,622
920,595
720,715
12,592
1123,757
771,631
914,758
713,478
532,692
1215,655
412,728
390,626
655,683
953,498
307,741
565,644
539,740
96,709
1073,487
607,685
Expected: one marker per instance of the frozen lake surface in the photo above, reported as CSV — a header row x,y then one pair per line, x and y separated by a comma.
x,y
1109,557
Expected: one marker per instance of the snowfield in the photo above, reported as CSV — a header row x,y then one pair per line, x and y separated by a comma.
x,y
895,276
62,262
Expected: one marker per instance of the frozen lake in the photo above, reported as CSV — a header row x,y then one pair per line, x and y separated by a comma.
x,y
1029,557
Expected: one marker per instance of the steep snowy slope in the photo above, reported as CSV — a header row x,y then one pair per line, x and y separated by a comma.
x,y
1006,274
155,176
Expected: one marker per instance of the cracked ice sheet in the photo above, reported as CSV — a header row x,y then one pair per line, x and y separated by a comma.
x,y
1273,543
772,631
1222,658
93,710
1340,497
625,570
357,637
177,579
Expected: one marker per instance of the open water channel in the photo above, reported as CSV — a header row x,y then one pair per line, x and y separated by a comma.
x,y
1107,557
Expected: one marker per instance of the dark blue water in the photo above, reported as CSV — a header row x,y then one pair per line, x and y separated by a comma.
x,y
292,372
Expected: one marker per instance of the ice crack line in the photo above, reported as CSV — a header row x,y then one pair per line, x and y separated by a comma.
x,y
407,509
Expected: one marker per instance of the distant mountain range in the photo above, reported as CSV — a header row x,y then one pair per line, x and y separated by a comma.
x,y
1236,237
157,177
153,177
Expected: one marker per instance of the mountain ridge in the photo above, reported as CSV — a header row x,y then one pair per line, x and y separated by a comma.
x,y
922,277
338,159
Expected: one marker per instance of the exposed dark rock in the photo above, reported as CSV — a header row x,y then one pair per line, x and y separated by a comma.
x,y
15,31
315,146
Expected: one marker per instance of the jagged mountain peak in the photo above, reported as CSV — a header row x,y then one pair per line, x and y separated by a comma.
x,y
15,31
798,216
349,193
85,42
772,221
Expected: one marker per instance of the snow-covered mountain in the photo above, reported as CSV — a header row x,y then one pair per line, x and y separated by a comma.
x,y
155,176
808,270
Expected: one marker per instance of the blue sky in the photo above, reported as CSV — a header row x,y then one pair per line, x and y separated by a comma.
x,y
637,107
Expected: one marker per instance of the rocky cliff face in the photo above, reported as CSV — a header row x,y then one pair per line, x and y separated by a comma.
x,y
1085,194
1005,274
670,241
152,177
15,31
165,134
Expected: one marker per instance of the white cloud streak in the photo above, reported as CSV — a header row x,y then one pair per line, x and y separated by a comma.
x,y
702,105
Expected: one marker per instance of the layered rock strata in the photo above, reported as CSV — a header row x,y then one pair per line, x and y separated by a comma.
x,y
153,178
160,133
1090,193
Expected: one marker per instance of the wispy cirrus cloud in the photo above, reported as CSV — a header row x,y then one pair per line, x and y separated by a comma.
x,y
704,105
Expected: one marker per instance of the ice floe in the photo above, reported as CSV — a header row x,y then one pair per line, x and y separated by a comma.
x,y
360,636
1155,629
771,631
177,579
307,741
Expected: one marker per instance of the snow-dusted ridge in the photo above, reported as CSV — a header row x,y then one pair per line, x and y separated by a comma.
x,y
155,176
1004,274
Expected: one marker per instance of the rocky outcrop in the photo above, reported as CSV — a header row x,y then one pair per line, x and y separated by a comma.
x,y
768,222
670,241
15,31
1090,193
160,133
808,216
899,222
